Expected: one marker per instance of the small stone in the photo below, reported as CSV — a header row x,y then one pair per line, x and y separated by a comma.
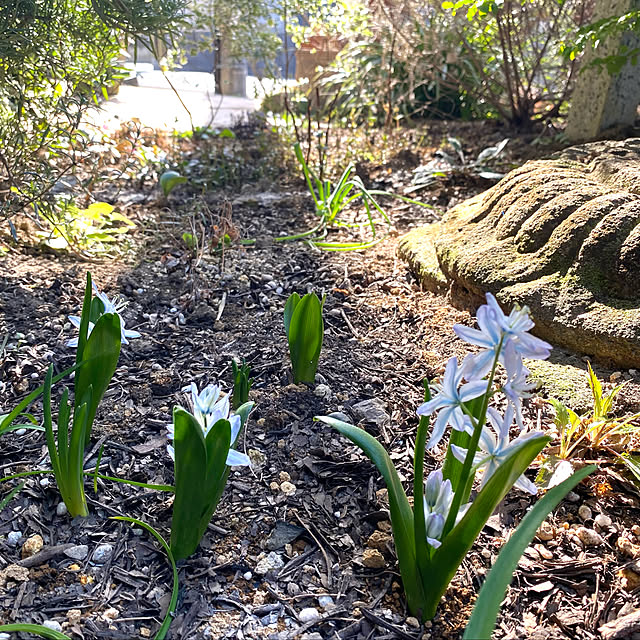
x,y
413,622
589,537
45,482
338,415
630,577
373,559
572,496
102,553
53,625
271,562
378,540
288,488
626,547
5,636
32,546
308,614
61,509
79,552
546,531
326,602
110,614
615,376
74,616
145,632
371,411
547,554
322,391
584,512
274,486
284,476
602,521
636,530
13,537
247,575
13,573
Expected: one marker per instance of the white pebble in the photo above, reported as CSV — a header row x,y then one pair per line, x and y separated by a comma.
x,y
45,482
13,538
20,432
308,614
102,553
78,552
604,522
325,601
53,625
247,575
61,509
584,512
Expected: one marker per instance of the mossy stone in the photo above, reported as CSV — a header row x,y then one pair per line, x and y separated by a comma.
x,y
560,235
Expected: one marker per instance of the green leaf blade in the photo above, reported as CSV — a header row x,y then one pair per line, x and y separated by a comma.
x,y
487,607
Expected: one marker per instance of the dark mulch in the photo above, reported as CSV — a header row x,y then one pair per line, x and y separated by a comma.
x,y
383,335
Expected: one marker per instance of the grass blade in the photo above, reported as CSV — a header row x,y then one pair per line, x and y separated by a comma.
x,y
36,629
11,495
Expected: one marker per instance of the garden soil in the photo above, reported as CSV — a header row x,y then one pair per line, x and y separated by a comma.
x,y
300,545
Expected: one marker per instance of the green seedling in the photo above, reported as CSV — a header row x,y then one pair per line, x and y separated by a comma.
x,y
169,180
305,330
241,383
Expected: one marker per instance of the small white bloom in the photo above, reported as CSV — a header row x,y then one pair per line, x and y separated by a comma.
x,y
516,388
438,496
110,306
498,329
494,449
448,400
208,408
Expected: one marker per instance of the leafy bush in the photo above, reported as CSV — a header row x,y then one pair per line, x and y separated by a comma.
x,y
56,57
470,58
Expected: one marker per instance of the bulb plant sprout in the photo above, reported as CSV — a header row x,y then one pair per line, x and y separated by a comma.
x,y
433,537
241,383
203,451
97,352
304,327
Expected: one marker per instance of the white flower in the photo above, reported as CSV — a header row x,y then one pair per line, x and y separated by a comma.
x,y
498,329
516,388
494,450
110,306
438,497
449,400
208,408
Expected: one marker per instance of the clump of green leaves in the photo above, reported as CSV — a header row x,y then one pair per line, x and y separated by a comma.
x,y
169,180
332,199
305,330
592,431
97,357
92,228
203,452
241,383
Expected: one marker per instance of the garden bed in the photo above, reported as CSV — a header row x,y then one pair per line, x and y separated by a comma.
x,y
300,544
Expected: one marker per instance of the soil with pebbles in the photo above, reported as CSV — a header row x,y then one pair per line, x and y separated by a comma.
x,y
299,546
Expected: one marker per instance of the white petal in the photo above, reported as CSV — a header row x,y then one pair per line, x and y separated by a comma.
x,y
237,459
524,484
